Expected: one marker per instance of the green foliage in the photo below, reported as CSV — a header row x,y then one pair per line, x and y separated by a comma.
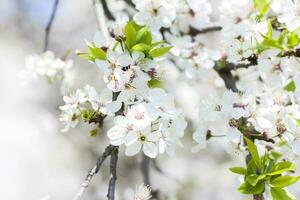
x,y
253,151
238,170
155,83
159,51
88,115
290,87
286,41
94,132
139,38
280,194
266,170
93,54
262,6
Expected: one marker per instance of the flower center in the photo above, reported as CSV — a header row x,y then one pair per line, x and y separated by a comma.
x,y
143,138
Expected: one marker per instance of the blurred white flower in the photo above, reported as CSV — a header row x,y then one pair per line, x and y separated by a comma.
x,y
154,13
46,65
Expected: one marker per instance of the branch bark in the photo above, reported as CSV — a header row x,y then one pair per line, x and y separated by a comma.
x,y
93,171
230,83
113,173
49,25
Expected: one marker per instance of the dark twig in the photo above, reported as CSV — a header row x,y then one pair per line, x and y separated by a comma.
x,y
194,32
49,24
93,171
130,3
107,12
113,173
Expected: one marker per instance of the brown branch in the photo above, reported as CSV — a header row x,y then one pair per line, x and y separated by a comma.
x,y
49,24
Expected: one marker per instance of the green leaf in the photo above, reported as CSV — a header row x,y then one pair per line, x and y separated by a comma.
x,y
292,40
87,115
282,37
284,181
141,47
157,43
253,178
97,53
94,132
238,170
281,194
247,188
251,168
290,87
270,30
281,167
253,151
262,6
130,34
159,51
270,43
86,56
141,35
148,38
155,83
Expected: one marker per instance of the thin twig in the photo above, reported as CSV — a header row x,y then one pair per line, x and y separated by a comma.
x,y
101,18
113,173
107,12
49,24
194,32
93,171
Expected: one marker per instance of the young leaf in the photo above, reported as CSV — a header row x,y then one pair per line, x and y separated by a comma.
x,y
141,35
262,6
97,53
130,34
281,194
247,188
253,151
238,170
253,178
292,40
86,56
284,181
155,83
159,51
141,47
281,167
94,132
290,87
148,38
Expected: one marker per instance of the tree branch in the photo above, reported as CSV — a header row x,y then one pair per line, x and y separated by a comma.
x,y
49,25
113,173
93,171
101,18
107,12
194,32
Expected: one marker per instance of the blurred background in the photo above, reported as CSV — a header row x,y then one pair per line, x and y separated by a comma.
x,y
38,162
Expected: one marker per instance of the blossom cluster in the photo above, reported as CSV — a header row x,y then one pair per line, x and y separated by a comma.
x,y
148,118
46,65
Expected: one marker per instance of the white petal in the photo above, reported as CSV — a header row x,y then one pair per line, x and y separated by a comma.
x,y
233,134
133,149
131,138
113,107
150,149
